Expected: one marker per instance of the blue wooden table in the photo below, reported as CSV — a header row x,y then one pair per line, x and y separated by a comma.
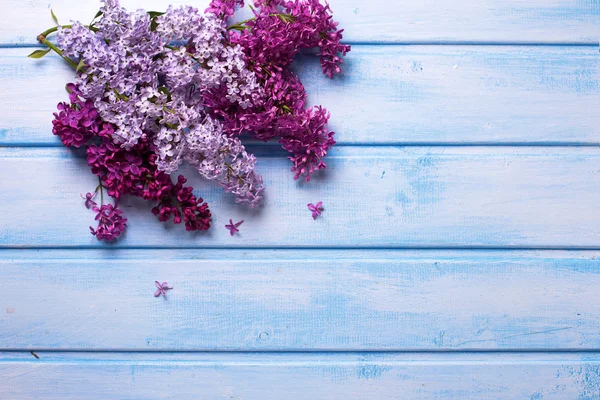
x,y
458,256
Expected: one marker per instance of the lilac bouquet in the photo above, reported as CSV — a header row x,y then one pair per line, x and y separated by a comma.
x,y
156,89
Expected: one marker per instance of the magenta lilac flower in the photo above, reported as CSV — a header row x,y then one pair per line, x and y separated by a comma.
x,y
161,289
233,228
111,224
78,121
270,40
224,8
317,209
89,202
155,90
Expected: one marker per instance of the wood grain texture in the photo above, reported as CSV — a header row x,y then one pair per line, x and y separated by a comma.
x,y
300,300
407,21
300,376
388,95
374,197
415,283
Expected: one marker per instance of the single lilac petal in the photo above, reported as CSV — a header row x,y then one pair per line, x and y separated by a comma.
x,y
162,288
316,209
88,199
233,228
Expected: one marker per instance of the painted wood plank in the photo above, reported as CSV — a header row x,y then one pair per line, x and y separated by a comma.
x,y
300,300
374,197
437,21
389,95
298,376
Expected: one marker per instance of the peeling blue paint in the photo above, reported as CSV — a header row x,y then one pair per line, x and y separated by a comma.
x,y
372,371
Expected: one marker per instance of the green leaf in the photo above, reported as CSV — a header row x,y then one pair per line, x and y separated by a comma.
x,y
80,65
93,21
153,23
39,53
120,96
154,14
54,16
164,90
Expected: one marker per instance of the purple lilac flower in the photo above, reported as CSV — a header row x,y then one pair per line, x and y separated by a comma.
x,y
110,222
224,8
89,202
270,40
233,228
182,205
306,136
282,27
131,172
223,158
134,172
317,209
161,289
158,90
78,122
147,77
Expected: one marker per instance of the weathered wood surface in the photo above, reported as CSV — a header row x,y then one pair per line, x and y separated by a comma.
x,y
373,21
457,257
388,95
535,376
240,300
374,197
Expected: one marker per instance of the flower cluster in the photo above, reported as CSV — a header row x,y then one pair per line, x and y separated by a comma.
x,y
142,80
154,90
123,171
270,41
